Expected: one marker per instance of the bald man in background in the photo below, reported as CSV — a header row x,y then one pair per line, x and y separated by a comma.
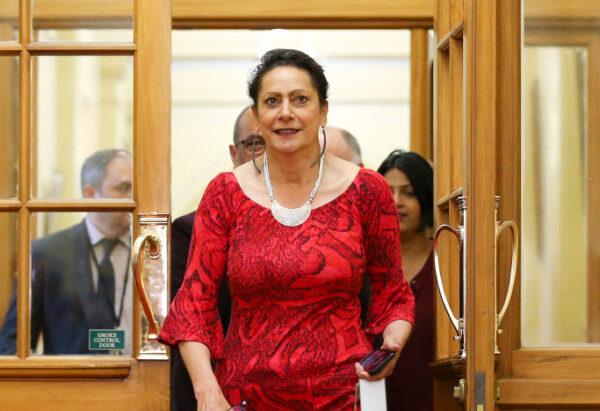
x,y
341,143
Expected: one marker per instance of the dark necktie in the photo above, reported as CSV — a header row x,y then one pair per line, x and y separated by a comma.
x,y
106,273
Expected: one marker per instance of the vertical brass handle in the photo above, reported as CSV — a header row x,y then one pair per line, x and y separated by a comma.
x,y
151,246
460,322
438,274
513,264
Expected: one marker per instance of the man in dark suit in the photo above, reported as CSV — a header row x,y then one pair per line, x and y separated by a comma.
x,y
80,276
244,136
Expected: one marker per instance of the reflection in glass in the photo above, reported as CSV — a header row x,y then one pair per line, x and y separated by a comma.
x,y
81,280
82,21
8,283
83,104
9,125
9,20
555,272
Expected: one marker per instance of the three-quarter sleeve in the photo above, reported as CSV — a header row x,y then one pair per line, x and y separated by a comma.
x,y
391,296
194,314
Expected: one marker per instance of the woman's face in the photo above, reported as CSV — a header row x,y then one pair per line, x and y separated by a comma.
x,y
288,110
407,204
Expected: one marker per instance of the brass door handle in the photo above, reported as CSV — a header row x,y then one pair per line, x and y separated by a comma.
x,y
459,322
151,246
500,228
438,274
513,264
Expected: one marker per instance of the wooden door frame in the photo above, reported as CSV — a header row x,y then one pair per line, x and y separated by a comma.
x,y
526,377
489,33
62,382
246,14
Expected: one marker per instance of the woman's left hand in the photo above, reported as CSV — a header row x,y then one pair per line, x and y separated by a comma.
x,y
395,336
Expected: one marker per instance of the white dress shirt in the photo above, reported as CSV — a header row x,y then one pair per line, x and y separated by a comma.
x,y
119,258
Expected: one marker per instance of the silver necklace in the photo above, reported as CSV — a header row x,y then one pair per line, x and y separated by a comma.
x,y
291,217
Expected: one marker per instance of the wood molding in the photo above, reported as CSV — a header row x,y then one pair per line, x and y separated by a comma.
x,y
382,22
447,368
66,367
546,9
23,252
508,176
152,109
558,363
52,14
455,33
143,390
593,190
78,49
10,49
185,11
420,92
80,204
553,393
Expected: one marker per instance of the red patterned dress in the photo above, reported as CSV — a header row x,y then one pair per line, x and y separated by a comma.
x,y
295,330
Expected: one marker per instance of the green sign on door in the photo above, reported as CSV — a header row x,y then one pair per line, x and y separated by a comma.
x,y
106,340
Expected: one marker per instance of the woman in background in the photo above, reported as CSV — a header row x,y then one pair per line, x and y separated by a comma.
x,y
410,177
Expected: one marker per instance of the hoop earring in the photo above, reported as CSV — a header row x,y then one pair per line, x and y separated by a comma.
x,y
254,155
322,153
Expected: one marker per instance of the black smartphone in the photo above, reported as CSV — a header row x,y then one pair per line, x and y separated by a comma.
x,y
376,360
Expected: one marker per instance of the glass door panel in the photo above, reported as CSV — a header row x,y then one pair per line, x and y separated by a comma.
x,y
9,20
8,283
555,185
9,126
83,105
82,127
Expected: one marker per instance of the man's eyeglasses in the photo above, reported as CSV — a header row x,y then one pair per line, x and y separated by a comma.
x,y
246,144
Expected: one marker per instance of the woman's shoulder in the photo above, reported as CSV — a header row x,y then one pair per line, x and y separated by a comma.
x,y
222,183
370,181
224,177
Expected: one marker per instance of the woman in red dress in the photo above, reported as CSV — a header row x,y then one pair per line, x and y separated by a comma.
x,y
410,387
293,232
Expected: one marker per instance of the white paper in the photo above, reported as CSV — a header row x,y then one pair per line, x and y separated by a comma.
x,y
372,395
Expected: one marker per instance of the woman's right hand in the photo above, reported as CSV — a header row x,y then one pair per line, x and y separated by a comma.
x,y
196,357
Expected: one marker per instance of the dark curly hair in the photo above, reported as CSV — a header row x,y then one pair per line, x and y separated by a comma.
x,y
288,57
419,173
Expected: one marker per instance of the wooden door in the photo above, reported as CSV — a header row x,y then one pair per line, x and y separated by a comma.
x,y
516,137
51,51
552,356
